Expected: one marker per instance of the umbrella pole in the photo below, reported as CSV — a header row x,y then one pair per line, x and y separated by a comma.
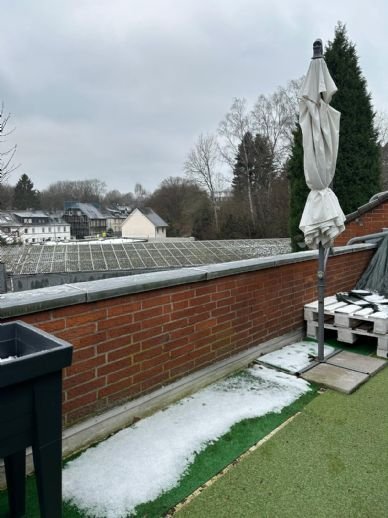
x,y
321,297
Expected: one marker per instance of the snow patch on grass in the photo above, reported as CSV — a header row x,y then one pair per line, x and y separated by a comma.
x,y
7,359
294,357
139,463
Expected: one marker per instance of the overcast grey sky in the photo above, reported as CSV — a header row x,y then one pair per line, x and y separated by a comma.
x,y
119,90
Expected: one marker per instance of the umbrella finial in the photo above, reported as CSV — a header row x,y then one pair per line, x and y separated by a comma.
x,y
317,49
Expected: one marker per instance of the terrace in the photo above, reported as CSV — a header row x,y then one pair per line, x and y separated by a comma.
x,y
329,461
144,341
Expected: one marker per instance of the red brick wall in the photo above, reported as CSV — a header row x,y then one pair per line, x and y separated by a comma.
x,y
369,223
127,346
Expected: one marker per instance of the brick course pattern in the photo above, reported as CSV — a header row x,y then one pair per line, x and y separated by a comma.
x,y
127,346
370,222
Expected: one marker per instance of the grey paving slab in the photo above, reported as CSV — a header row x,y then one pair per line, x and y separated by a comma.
x,y
336,378
357,362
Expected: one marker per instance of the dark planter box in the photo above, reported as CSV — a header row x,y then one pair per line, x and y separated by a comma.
x,y
31,413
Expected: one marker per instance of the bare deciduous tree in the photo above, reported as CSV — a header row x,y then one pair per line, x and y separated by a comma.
x,y
274,116
201,166
237,123
115,198
6,157
140,195
88,191
381,125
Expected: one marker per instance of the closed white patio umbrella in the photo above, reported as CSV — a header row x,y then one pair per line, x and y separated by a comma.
x,y
322,219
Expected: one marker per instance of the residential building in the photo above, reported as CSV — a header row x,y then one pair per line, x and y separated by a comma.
x,y
34,226
115,220
144,223
9,227
85,219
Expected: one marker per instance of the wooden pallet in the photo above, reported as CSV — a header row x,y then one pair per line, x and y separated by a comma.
x,y
347,315
350,322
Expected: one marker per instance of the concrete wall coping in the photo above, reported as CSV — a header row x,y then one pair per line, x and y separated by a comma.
x,y
33,301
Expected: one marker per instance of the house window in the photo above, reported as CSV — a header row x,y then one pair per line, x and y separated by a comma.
x,y
49,229
33,230
26,230
43,230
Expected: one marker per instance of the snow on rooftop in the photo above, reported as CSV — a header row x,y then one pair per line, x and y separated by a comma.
x,y
124,255
294,357
139,463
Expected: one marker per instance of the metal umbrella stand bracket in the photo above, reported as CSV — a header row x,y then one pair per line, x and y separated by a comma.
x,y
322,219
31,363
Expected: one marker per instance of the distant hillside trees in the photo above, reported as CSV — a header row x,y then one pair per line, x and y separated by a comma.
x,y
115,199
184,206
358,168
6,196
88,191
253,145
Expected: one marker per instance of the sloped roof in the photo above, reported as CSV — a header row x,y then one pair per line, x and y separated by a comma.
x,y
153,217
375,201
90,210
50,217
30,214
7,218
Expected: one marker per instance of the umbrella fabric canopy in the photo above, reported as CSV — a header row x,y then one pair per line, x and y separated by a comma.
x,y
322,218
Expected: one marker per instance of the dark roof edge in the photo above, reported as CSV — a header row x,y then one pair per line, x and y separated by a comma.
x,y
378,200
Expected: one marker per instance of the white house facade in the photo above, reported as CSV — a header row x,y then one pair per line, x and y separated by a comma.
x,y
39,227
144,223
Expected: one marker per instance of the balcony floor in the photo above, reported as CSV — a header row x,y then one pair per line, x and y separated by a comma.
x,y
330,461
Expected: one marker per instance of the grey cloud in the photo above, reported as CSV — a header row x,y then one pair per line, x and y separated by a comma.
x,y
120,92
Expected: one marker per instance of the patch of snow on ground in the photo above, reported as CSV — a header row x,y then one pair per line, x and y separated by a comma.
x,y
7,359
139,463
294,357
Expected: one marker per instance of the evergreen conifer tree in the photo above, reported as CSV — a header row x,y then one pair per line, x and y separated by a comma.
x,y
357,175
25,196
253,174
298,189
243,171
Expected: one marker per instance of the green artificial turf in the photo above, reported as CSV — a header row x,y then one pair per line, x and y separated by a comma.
x,y
329,462
218,455
32,505
207,463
